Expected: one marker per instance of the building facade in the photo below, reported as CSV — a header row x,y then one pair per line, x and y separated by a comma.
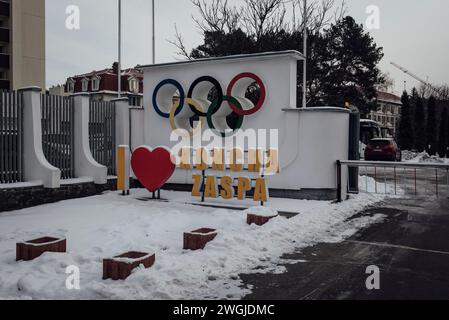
x,y
103,85
22,44
388,113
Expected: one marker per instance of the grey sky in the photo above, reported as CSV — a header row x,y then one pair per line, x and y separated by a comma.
x,y
413,34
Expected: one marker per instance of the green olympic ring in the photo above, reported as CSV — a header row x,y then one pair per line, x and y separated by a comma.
x,y
213,109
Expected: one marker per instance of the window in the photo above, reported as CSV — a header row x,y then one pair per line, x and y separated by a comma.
x,y
85,84
71,86
95,83
134,85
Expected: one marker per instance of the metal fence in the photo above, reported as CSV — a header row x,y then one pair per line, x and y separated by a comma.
x,y
58,133
398,178
11,137
102,122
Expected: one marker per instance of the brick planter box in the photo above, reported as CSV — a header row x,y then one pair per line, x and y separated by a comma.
x,y
198,239
121,267
258,220
32,249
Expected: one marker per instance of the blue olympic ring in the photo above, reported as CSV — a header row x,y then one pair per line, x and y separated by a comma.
x,y
182,96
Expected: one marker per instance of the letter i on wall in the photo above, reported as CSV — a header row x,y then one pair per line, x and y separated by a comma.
x,y
123,169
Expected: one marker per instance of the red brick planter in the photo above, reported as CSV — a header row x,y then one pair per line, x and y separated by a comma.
x,y
32,249
121,267
258,220
198,239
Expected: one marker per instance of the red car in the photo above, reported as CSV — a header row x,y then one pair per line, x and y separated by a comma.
x,y
383,150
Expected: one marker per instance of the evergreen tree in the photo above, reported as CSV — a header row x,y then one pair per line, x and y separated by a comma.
x,y
431,142
342,60
405,137
419,122
444,134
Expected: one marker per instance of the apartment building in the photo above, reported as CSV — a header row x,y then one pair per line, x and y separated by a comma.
x,y
102,85
388,113
22,44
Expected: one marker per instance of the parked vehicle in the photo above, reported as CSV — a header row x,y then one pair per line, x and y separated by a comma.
x,y
369,130
383,149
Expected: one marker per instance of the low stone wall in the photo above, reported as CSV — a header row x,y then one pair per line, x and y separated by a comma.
x,y
20,198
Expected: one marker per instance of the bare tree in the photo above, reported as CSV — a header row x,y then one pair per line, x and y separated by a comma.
x,y
179,43
440,92
260,17
388,83
216,16
319,14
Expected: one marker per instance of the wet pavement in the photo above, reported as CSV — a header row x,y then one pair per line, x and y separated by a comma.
x,y
410,247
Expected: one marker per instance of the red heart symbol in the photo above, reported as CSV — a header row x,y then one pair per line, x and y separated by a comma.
x,y
153,168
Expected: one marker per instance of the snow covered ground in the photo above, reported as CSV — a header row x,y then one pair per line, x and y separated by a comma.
x,y
107,225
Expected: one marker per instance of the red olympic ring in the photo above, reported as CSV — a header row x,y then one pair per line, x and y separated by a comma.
x,y
263,94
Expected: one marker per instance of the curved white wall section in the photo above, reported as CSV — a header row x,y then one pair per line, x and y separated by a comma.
x,y
85,164
36,166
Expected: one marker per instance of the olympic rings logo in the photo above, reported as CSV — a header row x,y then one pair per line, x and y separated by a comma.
x,y
197,98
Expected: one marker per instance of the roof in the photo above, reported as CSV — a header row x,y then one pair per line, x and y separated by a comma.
x,y
268,55
126,72
388,97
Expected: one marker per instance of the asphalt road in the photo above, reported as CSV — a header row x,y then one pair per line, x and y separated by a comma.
x,y
410,247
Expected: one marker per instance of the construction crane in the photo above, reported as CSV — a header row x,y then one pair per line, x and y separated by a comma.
x,y
425,83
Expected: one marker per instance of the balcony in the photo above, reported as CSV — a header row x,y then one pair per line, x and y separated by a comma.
x,y
4,35
4,61
4,8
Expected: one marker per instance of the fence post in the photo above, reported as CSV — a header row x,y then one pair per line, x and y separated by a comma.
x,y
35,165
339,182
85,164
122,121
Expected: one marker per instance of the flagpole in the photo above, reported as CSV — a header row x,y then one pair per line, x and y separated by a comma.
x,y
119,68
304,84
154,36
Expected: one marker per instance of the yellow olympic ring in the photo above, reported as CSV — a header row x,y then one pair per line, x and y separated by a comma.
x,y
176,130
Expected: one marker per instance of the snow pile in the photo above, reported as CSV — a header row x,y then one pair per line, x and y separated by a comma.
x,y
109,225
409,155
262,211
370,185
423,157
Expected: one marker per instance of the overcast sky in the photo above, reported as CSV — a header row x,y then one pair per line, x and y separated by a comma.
x,y
413,34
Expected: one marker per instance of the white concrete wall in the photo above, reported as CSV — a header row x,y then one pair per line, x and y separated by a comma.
x,y
85,164
137,127
122,112
310,142
36,166
323,139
